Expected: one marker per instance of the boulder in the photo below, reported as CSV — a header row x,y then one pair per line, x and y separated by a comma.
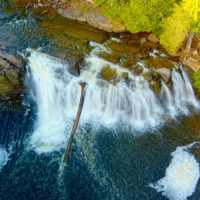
x,y
153,38
11,75
164,72
193,64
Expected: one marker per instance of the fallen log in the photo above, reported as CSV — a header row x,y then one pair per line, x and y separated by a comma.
x,y
83,92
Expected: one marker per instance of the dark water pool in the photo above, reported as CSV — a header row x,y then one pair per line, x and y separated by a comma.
x,y
103,164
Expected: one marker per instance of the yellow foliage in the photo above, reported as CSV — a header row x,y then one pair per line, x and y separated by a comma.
x,y
177,25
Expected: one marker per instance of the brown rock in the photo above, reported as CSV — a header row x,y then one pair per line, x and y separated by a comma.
x,y
143,40
164,72
109,57
11,58
123,48
193,64
153,38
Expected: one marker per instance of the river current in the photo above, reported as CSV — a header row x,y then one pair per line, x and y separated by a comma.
x,y
130,143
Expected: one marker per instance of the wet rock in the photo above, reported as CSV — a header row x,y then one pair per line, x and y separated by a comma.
x,y
128,61
164,72
167,118
126,36
11,75
109,57
64,32
153,38
108,73
10,58
193,64
137,70
156,86
148,76
143,40
122,48
75,64
158,62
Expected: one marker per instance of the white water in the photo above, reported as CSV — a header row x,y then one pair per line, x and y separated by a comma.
x,y
181,176
131,103
4,157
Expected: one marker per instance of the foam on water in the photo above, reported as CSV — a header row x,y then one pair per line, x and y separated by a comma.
x,y
181,175
4,157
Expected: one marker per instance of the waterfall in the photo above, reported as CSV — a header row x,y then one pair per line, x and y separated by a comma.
x,y
167,99
183,92
129,103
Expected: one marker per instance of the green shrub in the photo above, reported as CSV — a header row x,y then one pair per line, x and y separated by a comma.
x,y
196,78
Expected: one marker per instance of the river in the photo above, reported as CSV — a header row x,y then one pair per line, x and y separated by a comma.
x,y
130,143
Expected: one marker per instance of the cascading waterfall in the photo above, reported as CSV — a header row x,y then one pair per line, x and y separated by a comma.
x,y
183,92
131,103
168,100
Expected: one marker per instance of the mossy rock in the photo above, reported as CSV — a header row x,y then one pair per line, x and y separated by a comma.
x,y
10,86
121,48
124,75
137,70
148,76
158,62
108,73
155,86
128,61
109,57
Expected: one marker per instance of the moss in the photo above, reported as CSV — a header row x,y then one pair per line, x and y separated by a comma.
x,y
196,78
109,57
158,62
128,61
108,73
156,86
9,85
122,48
137,70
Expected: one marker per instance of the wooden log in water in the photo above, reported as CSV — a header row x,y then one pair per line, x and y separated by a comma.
x,y
83,92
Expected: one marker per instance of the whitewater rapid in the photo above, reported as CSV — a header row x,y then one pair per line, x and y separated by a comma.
x,y
133,104
181,175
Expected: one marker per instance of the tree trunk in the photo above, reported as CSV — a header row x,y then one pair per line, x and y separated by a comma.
x,y
83,92
189,44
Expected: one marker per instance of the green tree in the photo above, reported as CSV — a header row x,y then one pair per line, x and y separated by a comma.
x,y
185,17
171,20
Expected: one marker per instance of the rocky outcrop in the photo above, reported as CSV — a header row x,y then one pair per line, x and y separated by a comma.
x,y
164,72
11,75
92,16
153,38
